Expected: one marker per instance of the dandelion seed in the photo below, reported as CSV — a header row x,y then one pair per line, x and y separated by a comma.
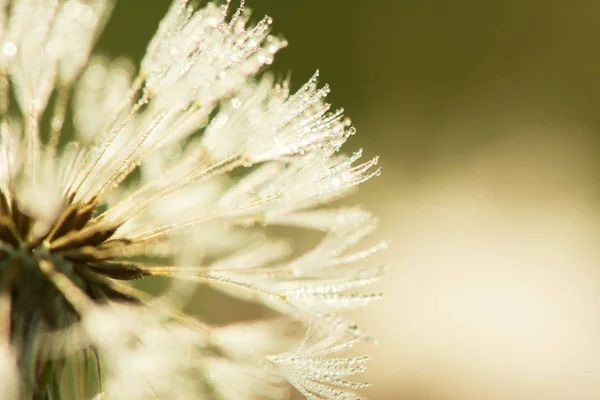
x,y
148,185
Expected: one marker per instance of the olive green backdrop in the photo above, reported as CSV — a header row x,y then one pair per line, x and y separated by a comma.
x,y
413,68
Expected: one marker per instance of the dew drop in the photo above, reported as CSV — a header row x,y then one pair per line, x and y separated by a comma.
x,y
9,49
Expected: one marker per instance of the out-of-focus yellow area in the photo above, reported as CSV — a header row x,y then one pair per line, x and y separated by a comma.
x,y
486,117
494,291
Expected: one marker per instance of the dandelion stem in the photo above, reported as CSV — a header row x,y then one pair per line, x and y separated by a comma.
x,y
33,140
146,202
94,352
166,230
58,117
107,139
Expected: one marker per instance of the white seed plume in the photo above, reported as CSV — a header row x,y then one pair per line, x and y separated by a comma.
x,y
173,170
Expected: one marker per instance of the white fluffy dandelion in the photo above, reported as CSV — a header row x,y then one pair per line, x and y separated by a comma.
x,y
108,175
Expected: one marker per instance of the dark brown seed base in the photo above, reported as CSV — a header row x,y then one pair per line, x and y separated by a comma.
x,y
76,246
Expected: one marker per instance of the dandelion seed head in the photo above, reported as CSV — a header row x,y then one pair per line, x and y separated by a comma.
x,y
173,169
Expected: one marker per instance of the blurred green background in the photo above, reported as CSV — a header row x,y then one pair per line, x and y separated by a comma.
x,y
485,115
427,79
